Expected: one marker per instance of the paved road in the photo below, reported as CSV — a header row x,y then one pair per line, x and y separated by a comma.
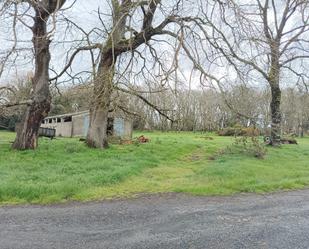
x,y
167,221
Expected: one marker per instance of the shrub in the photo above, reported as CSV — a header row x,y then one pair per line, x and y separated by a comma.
x,y
250,146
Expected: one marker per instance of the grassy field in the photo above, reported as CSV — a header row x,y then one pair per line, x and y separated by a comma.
x,y
65,169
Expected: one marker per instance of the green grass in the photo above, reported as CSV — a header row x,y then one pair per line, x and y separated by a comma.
x,y
65,169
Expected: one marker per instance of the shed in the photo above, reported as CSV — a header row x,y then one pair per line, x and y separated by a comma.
x,y
77,125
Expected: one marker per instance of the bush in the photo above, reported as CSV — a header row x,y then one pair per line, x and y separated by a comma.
x,y
250,146
239,131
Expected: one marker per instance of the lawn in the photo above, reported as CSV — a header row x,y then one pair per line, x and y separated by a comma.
x,y
65,169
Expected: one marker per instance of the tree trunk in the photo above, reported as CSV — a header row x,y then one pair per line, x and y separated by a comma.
x,y
97,133
103,89
300,129
27,134
103,82
274,82
275,115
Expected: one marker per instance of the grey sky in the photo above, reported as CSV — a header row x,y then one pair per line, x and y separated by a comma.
x,y
84,14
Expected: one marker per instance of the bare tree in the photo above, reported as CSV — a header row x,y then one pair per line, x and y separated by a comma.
x,y
260,41
38,106
134,25
116,45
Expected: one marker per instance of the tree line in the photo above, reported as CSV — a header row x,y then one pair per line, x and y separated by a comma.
x,y
203,110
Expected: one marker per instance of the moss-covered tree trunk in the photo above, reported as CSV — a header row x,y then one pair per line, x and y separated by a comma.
x,y
103,82
103,88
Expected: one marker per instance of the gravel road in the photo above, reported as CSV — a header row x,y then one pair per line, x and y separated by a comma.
x,y
168,221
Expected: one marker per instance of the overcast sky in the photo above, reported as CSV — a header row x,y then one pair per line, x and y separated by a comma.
x,y
84,14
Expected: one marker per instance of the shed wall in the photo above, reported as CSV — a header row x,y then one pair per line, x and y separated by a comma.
x,y
63,129
79,126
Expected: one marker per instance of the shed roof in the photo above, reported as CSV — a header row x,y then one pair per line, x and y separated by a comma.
x,y
68,114
85,112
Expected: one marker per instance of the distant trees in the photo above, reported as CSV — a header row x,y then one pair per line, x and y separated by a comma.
x,y
13,101
207,110
295,113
